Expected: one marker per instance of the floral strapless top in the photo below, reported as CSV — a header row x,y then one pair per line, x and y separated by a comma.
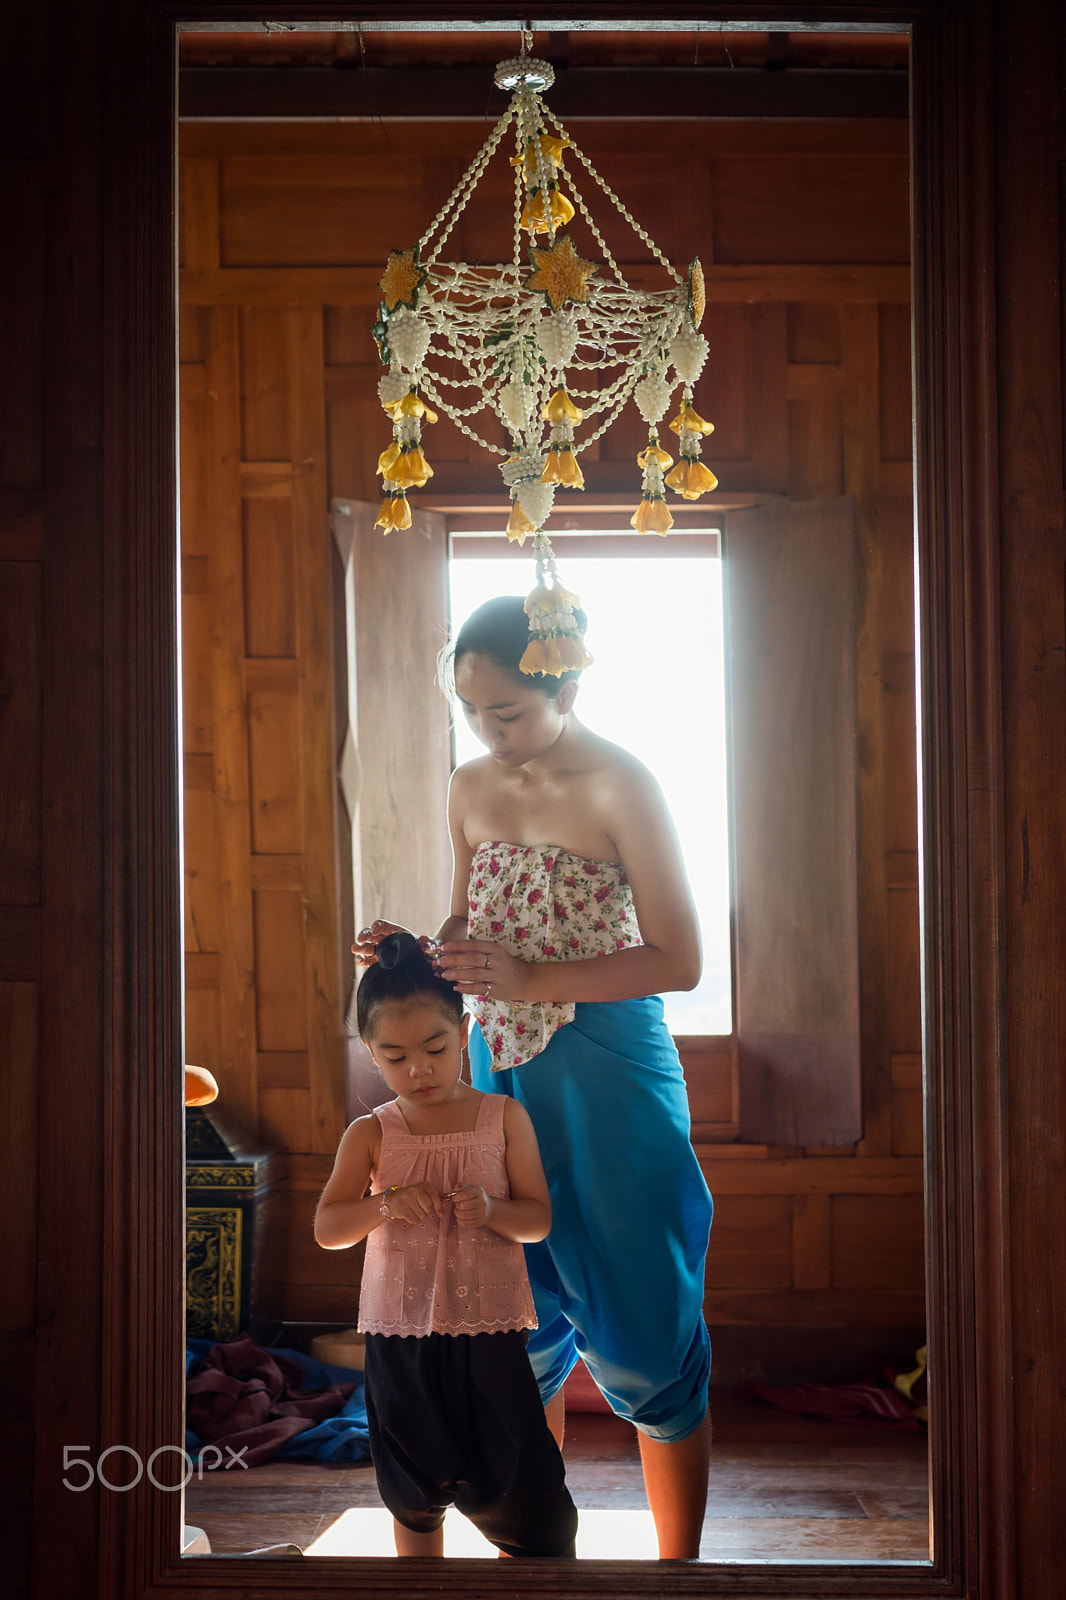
x,y
543,904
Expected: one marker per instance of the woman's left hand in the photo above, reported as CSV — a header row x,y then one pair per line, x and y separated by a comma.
x,y
477,966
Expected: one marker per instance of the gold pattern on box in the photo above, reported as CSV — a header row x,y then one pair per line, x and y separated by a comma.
x,y
230,1177
213,1237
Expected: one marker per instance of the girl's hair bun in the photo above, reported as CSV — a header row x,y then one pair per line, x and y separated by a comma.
x,y
396,949
402,972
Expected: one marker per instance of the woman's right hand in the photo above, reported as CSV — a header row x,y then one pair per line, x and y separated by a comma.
x,y
365,948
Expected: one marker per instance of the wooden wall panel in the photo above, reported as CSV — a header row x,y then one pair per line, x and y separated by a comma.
x,y
791,643
825,206
906,1105
752,1243
266,392
877,1242
269,573
814,336
321,1285
258,709
274,769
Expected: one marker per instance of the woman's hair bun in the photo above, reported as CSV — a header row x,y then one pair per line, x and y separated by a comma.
x,y
396,949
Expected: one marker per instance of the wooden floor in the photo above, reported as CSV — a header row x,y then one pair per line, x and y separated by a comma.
x,y
783,1488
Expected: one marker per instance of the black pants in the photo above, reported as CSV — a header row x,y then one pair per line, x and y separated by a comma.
x,y
456,1419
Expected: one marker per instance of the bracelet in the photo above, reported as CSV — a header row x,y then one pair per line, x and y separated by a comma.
x,y
384,1206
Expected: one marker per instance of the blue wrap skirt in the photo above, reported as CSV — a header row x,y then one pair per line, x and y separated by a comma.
x,y
619,1280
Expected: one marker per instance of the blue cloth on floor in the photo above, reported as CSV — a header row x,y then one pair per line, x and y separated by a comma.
x,y
342,1437
619,1280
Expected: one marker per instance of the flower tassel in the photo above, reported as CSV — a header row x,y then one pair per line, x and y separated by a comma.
x,y
555,642
653,514
402,465
690,478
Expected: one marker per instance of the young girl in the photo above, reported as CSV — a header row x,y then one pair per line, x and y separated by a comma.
x,y
571,913
457,1187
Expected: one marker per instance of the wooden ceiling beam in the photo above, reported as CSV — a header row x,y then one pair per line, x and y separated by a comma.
x,y
326,93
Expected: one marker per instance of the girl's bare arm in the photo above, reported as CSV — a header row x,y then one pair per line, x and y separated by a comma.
x,y
345,1212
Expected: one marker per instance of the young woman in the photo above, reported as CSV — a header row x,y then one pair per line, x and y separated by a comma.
x,y
570,914
456,1188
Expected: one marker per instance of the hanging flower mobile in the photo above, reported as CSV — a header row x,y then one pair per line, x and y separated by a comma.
x,y
547,342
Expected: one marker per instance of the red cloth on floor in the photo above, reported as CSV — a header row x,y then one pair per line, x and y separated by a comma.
x,y
865,1403
252,1401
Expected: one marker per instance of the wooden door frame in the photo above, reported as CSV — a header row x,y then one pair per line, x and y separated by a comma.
x,y
962,844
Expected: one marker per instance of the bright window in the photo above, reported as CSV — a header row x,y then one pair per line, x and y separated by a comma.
x,y
656,687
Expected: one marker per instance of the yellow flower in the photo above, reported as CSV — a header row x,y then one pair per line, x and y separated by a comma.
x,y
533,214
560,273
560,408
518,524
652,516
387,457
412,405
394,513
403,277
562,467
537,658
655,452
550,147
571,652
563,652
691,479
691,420
410,470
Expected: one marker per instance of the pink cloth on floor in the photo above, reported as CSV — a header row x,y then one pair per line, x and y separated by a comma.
x,y
254,1401
865,1403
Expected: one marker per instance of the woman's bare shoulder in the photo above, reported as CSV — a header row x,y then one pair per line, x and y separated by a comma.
x,y
471,774
467,782
618,769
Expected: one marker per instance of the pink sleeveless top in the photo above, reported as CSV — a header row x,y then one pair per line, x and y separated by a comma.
x,y
433,1276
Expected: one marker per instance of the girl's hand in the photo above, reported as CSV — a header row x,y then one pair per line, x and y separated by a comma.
x,y
415,1203
477,966
472,1206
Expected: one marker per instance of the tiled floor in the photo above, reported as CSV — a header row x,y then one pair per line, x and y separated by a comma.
x,y
783,1488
